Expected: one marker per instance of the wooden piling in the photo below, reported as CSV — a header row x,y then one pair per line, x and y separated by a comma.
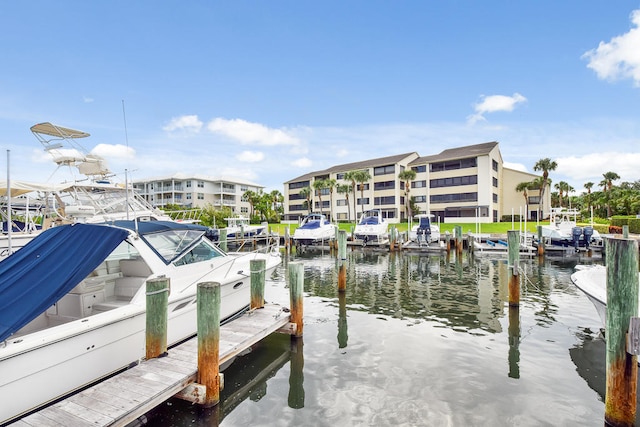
x,y
622,304
458,230
540,241
208,308
296,291
257,267
287,240
625,231
447,241
342,256
156,317
513,242
222,239
392,239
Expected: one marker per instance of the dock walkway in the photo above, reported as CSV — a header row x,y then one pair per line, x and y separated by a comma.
x,y
126,396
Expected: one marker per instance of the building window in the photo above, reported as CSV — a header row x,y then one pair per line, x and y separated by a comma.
x,y
200,196
418,169
453,165
385,185
389,200
364,201
200,184
494,164
419,184
534,200
495,182
384,170
340,175
495,198
188,184
419,199
244,209
341,216
188,196
341,202
454,198
301,184
244,188
454,181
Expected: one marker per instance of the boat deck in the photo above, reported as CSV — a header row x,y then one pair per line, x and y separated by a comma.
x,y
126,396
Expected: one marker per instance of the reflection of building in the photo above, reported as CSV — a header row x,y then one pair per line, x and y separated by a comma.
x,y
196,191
465,184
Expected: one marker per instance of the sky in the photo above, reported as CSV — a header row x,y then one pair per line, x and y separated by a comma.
x,y
266,91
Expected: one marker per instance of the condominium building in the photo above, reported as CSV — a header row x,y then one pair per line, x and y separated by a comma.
x,y
465,184
191,191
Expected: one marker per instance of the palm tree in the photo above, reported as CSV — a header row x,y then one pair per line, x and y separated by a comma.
x,y
351,176
306,193
361,177
524,186
606,185
344,189
330,183
545,165
276,199
407,176
250,197
319,185
588,186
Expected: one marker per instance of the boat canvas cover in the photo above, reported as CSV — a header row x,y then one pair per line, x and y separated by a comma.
x,y
49,266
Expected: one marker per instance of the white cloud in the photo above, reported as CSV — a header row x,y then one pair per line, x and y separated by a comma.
x,y
251,133
114,151
620,57
186,124
87,100
494,103
515,166
302,163
591,167
250,156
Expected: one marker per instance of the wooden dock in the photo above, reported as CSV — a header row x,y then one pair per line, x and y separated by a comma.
x,y
126,396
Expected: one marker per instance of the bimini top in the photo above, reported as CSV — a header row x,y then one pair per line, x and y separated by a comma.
x,y
48,267
150,227
50,129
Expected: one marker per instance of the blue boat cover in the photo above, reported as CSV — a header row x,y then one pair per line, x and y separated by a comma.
x,y
49,266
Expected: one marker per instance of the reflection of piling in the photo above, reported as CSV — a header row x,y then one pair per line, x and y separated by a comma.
x,y
622,305
625,231
296,289
156,318
222,239
296,376
540,242
513,242
343,336
342,256
208,308
257,267
458,233
514,342
447,242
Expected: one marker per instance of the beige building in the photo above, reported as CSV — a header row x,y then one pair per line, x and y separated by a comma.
x,y
191,191
465,184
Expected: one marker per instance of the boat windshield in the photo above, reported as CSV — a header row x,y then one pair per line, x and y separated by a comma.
x,y
170,244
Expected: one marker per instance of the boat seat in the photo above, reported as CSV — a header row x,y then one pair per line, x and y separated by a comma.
x,y
135,273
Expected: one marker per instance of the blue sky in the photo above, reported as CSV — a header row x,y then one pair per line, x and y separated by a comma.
x,y
266,91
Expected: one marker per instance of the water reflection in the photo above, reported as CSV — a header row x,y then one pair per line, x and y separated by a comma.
x,y
514,342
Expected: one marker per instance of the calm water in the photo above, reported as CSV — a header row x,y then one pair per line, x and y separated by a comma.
x,y
419,340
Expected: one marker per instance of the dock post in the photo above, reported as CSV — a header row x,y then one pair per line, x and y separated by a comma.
x,y
296,290
257,267
240,238
156,318
222,239
392,239
513,243
447,241
287,242
208,308
342,256
622,304
540,241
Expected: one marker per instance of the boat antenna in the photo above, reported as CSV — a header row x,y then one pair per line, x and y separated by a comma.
x,y
126,171
9,226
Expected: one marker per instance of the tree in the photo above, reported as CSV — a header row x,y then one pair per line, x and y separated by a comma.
x,y
588,186
250,197
344,189
331,183
276,200
407,176
545,165
607,184
306,193
319,185
351,177
361,177
524,187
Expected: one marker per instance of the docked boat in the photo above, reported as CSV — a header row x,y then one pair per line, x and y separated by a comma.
x,y
314,229
238,225
425,231
372,227
592,280
563,232
72,301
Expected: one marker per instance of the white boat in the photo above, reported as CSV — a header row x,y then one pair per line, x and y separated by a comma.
x,y
89,197
564,232
314,229
72,305
592,280
239,224
425,231
372,227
